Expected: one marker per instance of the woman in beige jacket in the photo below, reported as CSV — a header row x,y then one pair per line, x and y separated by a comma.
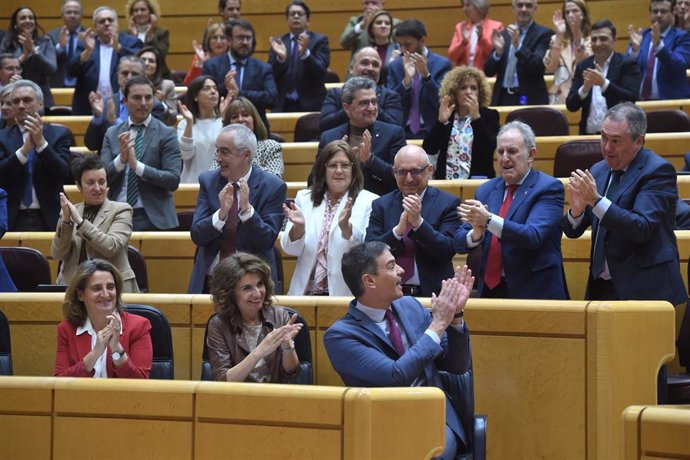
x,y
96,228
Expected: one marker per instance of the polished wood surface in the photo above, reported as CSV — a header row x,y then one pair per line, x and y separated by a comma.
x,y
655,432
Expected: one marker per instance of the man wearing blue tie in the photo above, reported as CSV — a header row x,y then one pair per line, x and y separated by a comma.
x,y
65,38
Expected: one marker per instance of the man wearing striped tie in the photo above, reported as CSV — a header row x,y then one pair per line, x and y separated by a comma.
x,y
143,161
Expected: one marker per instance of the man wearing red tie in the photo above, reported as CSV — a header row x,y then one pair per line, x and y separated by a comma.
x,y
515,221
239,207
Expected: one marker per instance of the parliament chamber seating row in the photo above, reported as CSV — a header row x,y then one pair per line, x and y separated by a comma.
x,y
652,432
553,377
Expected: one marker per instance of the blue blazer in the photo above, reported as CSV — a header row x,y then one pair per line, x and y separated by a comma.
x,y
87,72
428,96
531,239
257,235
672,61
363,356
6,283
311,75
50,172
433,239
333,114
386,140
258,84
161,175
640,245
530,65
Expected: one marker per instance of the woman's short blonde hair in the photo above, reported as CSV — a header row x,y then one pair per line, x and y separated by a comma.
x,y
453,79
153,5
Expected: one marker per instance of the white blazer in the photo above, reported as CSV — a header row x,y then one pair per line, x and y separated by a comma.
x,y
305,247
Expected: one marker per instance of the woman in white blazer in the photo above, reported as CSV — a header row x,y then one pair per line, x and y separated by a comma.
x,y
325,221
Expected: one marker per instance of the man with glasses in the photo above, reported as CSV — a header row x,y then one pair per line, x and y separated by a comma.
x,y
10,69
95,59
375,142
662,53
515,221
242,74
418,222
239,208
299,60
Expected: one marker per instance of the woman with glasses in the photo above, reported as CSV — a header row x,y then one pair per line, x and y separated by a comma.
x,y
214,44
463,139
35,52
325,221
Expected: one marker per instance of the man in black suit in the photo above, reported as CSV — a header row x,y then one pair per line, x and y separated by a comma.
x,y
603,80
95,60
10,69
66,38
34,163
376,142
516,61
299,60
240,73
365,63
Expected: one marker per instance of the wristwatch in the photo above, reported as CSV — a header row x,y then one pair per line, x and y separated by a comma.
x,y
117,355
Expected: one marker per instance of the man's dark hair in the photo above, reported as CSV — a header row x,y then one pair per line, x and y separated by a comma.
x,y
411,28
299,3
603,24
85,163
242,24
137,80
672,2
223,3
4,57
360,260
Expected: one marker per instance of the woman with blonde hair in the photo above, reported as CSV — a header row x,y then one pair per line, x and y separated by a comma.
x,y
471,43
463,139
569,46
214,43
143,23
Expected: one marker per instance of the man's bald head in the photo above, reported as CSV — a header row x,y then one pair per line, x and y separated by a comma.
x,y
412,170
366,63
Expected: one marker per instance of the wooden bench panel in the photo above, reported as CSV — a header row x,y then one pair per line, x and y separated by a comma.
x,y
656,432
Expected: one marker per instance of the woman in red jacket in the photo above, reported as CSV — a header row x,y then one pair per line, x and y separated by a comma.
x,y
98,338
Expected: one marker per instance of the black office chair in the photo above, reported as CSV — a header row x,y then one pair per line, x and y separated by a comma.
x,y
544,121
460,389
163,365
678,385
572,155
28,267
138,264
302,347
5,346
307,128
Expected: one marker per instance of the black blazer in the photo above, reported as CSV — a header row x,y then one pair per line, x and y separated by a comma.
x,y
624,83
311,73
57,80
485,129
530,68
333,114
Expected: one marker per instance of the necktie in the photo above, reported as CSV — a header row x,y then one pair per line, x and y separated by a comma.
x,y
28,198
132,178
228,244
494,262
415,121
405,257
238,69
646,92
598,256
394,332
70,44
293,66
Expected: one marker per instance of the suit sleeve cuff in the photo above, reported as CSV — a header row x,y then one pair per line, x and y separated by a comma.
x,y
601,207
434,336
139,170
22,159
495,225
119,166
216,222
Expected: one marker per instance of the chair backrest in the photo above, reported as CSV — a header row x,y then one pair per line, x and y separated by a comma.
x,y
5,346
276,137
332,76
185,219
307,128
668,121
576,154
28,267
302,348
163,365
73,142
279,271
544,121
138,264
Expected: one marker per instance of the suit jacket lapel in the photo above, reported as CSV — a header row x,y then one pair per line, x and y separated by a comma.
x,y
496,196
103,213
521,193
83,343
369,325
150,133
630,177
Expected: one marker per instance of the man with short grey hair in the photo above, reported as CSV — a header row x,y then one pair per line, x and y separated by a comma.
x,y
66,38
34,162
514,220
239,207
376,142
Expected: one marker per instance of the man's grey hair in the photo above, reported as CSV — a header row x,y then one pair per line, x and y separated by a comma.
x,y
353,85
132,58
101,9
481,5
30,84
244,138
524,130
634,115
65,2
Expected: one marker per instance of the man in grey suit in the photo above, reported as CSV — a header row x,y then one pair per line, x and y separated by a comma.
x,y
65,38
143,162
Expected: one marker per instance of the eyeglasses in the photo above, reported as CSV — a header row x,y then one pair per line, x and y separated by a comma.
x,y
296,14
660,11
402,173
242,38
104,20
333,167
220,38
366,102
